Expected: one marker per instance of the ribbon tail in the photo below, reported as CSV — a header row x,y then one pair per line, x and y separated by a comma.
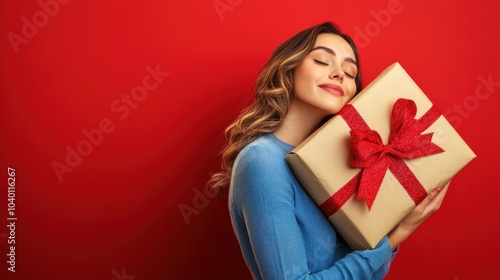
x,y
339,198
408,180
371,180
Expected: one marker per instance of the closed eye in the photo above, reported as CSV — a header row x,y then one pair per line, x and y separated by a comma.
x,y
320,62
349,75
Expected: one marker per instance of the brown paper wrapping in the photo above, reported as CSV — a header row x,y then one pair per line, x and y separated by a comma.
x,y
321,162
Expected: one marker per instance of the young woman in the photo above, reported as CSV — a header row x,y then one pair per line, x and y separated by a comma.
x,y
281,231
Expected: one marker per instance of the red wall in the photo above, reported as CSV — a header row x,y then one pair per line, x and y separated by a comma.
x,y
112,115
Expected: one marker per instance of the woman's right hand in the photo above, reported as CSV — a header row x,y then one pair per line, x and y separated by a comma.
x,y
421,212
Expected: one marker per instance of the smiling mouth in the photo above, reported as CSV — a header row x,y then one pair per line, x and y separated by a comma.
x,y
333,89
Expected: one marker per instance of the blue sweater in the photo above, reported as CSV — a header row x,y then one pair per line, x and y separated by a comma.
x,y
281,231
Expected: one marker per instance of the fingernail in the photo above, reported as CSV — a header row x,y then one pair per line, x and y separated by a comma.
x,y
438,189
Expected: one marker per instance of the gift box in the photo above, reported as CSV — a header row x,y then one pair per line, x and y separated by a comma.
x,y
370,164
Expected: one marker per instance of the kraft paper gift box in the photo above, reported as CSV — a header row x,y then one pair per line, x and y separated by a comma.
x,y
366,180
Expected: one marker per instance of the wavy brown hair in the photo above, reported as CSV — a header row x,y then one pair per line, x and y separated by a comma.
x,y
273,96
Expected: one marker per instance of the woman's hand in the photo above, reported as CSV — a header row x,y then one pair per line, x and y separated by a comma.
x,y
421,212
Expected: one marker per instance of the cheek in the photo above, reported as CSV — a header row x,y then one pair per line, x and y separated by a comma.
x,y
300,79
352,88
307,73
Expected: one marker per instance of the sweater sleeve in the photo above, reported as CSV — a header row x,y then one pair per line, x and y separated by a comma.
x,y
263,214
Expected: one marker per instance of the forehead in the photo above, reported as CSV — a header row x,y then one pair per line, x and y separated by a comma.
x,y
334,42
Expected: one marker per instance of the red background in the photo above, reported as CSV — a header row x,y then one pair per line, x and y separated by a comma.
x,y
117,214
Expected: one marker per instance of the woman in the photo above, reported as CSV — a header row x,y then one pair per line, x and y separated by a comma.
x,y
281,231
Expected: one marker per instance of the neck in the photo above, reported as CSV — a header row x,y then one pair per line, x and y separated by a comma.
x,y
299,123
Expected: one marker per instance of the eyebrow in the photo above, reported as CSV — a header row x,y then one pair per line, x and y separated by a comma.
x,y
330,51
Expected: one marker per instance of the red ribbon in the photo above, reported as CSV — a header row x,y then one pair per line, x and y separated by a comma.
x,y
374,158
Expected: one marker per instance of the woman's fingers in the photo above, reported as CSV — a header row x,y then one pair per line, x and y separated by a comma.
x,y
433,201
439,197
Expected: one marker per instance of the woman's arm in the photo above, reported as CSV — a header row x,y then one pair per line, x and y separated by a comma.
x,y
263,213
423,210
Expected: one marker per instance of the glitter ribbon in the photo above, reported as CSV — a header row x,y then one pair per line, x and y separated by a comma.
x,y
369,153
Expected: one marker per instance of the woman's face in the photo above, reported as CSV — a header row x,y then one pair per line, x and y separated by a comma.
x,y
324,81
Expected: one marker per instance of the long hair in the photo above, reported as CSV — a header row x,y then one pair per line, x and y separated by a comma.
x,y
273,96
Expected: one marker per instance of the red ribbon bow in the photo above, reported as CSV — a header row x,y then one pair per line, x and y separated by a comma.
x,y
374,157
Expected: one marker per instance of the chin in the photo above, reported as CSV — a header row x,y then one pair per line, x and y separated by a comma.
x,y
333,111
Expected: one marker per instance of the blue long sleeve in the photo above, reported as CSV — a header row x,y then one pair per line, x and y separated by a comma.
x,y
281,231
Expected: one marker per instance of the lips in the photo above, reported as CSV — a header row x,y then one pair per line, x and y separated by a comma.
x,y
333,89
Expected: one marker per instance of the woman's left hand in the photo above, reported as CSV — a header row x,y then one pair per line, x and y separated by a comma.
x,y
419,214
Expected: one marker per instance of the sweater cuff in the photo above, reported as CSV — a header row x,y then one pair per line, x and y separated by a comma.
x,y
393,254
383,253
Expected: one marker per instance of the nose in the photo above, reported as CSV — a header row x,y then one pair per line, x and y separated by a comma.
x,y
337,74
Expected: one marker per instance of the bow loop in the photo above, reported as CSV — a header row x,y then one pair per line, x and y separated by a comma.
x,y
367,148
402,118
